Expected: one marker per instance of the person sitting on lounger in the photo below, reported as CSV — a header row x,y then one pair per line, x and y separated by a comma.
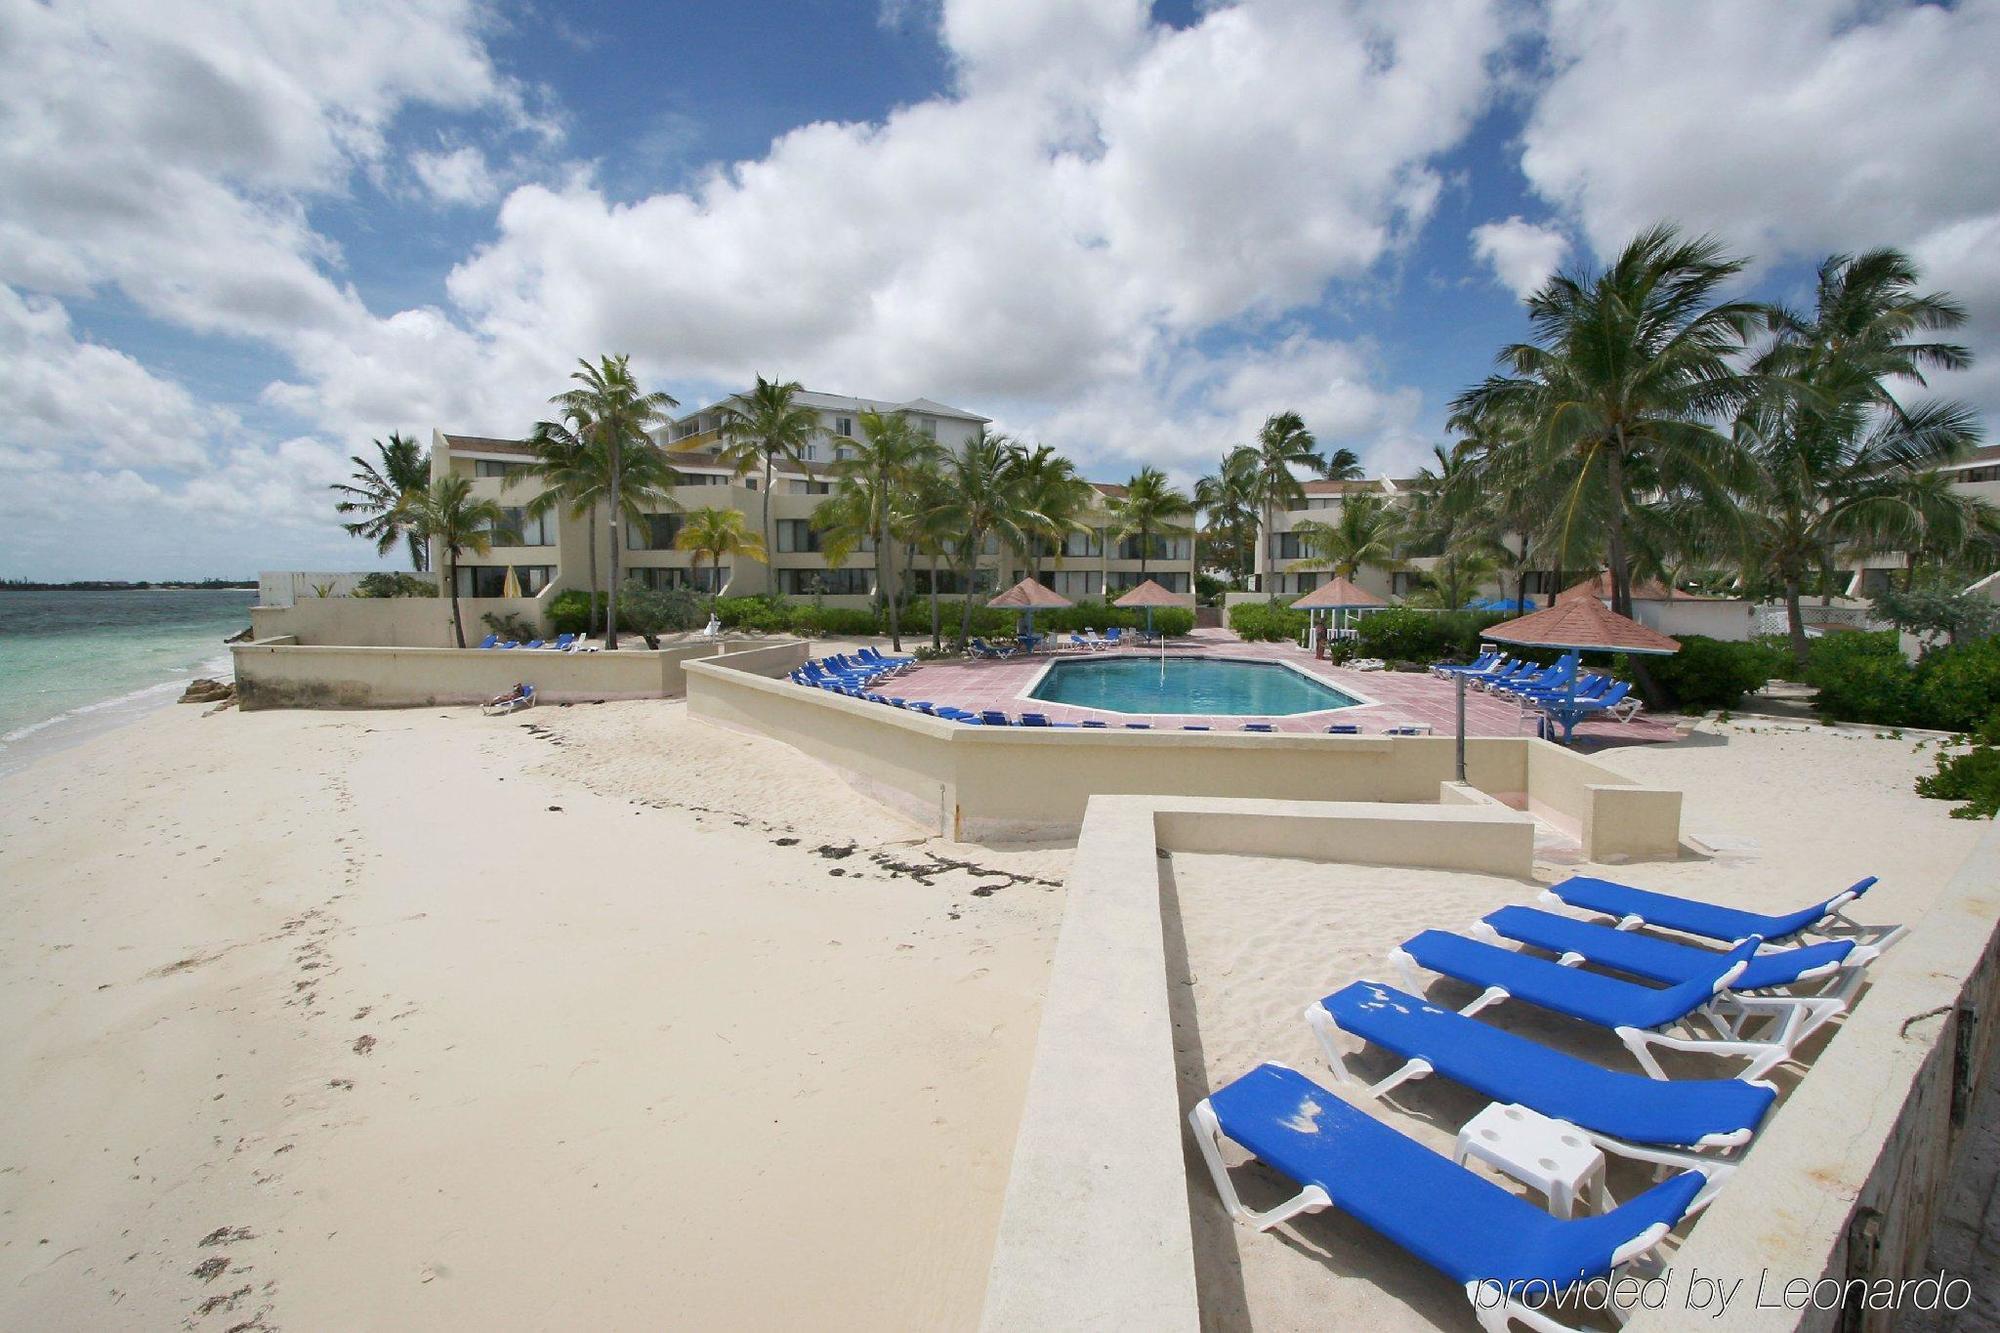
x,y
518,697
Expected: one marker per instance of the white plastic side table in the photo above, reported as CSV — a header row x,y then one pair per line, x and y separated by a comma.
x,y
1552,1156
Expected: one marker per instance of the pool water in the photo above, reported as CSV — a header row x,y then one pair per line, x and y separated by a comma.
x,y
1187,685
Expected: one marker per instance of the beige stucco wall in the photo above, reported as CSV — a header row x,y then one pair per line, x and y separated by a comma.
x,y
291,675
1019,782
387,622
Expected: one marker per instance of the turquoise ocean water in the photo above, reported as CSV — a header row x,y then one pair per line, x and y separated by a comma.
x,y
73,664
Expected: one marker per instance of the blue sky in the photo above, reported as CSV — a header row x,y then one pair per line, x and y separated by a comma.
x,y
239,243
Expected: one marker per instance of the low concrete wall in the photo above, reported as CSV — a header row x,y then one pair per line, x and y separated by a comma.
x,y
1848,1177
1024,782
1095,1230
386,622
282,673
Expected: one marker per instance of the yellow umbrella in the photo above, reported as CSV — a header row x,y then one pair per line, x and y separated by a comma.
x,y
511,587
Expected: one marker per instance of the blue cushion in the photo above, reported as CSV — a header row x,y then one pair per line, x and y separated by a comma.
x,y
1656,959
1462,1224
1690,915
1603,1000
1510,1068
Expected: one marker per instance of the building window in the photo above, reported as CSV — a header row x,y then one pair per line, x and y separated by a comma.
x,y
701,479
1084,544
656,533
796,535
1156,548
1123,580
928,425
493,467
811,488
661,578
1285,546
1538,583
951,582
517,527
1075,584
491,580
1300,582
857,582
844,427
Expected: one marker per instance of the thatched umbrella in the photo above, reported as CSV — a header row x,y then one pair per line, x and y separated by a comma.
x,y
1028,597
1583,624
1338,594
1149,595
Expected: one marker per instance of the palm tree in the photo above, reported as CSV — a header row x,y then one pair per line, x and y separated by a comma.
x,y
447,513
1054,498
617,417
765,427
931,529
1228,496
1841,464
1343,464
872,497
575,476
1455,579
1283,445
1618,392
1151,507
713,534
982,499
1366,533
378,493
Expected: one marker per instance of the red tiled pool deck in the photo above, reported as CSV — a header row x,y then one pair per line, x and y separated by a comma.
x,y
1392,699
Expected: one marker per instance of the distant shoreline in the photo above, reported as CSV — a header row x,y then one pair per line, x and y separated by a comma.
x,y
101,585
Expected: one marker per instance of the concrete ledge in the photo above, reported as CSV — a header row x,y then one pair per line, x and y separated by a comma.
x,y
281,673
1095,1230
1015,783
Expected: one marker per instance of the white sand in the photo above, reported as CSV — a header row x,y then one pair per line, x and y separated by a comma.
x,y
331,1020
1804,812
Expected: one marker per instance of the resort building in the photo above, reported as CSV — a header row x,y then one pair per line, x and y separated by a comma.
x,y
561,551
1976,475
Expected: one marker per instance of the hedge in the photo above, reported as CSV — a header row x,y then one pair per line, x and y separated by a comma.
x,y
1267,622
1866,678
1402,634
1711,673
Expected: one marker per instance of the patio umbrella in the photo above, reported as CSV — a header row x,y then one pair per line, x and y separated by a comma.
x,y
511,585
1028,597
1337,594
1586,625
1149,595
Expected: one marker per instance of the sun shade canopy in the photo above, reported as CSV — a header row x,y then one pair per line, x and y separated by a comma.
x,y
1336,594
1584,623
1028,595
1151,594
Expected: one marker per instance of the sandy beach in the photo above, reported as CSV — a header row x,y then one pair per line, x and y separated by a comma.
x,y
423,1019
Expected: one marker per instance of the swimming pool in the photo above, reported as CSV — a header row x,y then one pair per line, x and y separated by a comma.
x,y
1212,685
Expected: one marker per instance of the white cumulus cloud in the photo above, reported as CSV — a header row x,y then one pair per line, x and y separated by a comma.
x,y
1521,254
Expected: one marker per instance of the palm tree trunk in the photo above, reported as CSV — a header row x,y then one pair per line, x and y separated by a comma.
x,y
1614,533
770,531
1795,621
1264,555
885,574
936,641
593,561
451,575
1145,545
611,593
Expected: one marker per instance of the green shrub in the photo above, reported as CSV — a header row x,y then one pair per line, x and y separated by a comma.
x,y
1267,622
1172,621
1972,776
396,584
572,611
511,627
1711,673
1403,634
1863,678
1958,689
650,613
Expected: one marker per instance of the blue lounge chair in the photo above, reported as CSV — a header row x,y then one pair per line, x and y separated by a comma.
x,y
1412,729
1477,666
1194,726
562,642
981,648
1034,720
1343,729
1138,726
1699,1015
993,717
1637,907
489,641
1478,1234
1257,726
1113,637
1094,725
1640,1118
1838,963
